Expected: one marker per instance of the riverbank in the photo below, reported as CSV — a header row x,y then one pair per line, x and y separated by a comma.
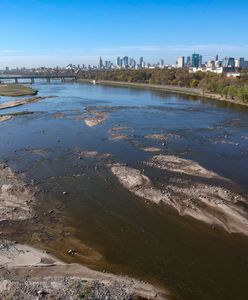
x,y
16,90
167,88
29,273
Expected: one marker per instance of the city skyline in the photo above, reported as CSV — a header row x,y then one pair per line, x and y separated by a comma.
x,y
152,30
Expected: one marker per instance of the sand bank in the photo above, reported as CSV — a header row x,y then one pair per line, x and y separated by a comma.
x,y
16,103
28,273
188,192
16,90
15,196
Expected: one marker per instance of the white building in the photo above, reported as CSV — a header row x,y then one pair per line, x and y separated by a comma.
x,y
180,62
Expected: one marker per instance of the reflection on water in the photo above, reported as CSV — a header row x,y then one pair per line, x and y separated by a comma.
x,y
135,237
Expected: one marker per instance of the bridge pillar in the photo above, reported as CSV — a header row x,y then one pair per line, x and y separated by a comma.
x,y
48,79
32,80
16,80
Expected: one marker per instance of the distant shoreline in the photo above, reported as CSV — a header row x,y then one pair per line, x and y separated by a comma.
x,y
166,88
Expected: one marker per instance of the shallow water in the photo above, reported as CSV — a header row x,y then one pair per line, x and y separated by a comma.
x,y
135,237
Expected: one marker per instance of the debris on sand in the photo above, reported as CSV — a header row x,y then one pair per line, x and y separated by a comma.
x,y
53,279
15,196
207,202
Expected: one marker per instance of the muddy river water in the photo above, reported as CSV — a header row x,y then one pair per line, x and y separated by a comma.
x,y
66,145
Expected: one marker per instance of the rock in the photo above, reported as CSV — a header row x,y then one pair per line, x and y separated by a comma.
x,y
71,252
41,293
65,193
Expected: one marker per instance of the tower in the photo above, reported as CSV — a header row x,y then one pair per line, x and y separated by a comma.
x,y
100,63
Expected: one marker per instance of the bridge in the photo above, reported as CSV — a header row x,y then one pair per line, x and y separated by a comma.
x,y
32,78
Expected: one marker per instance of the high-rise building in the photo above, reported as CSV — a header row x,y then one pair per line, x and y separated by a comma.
x,y
196,60
188,61
228,62
119,62
161,64
217,57
180,62
141,62
108,64
239,63
100,63
125,61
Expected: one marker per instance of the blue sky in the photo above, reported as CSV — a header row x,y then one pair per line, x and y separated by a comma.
x,y
58,32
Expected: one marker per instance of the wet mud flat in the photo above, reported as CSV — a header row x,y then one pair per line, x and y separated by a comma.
x,y
139,192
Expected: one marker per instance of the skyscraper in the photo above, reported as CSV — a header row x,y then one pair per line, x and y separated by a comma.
x,y
188,61
125,61
180,62
196,60
228,62
141,62
100,63
161,63
239,63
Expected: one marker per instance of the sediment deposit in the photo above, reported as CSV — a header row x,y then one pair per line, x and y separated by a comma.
x,y
15,196
188,193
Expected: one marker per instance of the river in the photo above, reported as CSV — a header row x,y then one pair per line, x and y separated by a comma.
x,y
116,230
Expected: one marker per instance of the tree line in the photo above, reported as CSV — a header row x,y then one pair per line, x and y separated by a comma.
x,y
227,87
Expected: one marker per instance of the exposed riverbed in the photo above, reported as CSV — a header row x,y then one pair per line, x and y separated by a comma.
x,y
143,183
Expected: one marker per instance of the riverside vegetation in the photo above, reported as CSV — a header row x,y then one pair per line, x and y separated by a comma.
x,y
235,89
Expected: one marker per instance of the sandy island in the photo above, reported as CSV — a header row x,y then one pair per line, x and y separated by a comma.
x,y
98,117
5,118
16,90
16,103
188,191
